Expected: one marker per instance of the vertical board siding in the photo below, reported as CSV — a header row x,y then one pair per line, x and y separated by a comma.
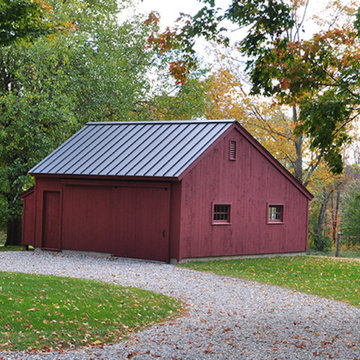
x,y
28,222
175,220
124,220
143,215
51,220
248,183
87,218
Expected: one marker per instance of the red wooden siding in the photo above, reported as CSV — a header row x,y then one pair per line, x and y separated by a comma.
x,y
127,219
51,220
28,220
87,222
249,183
175,219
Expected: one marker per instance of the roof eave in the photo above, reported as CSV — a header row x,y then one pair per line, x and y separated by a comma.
x,y
160,122
106,177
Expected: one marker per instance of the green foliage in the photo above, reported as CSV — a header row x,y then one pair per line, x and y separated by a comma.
x,y
10,247
189,102
357,22
35,116
321,118
350,214
52,313
322,242
24,20
265,19
97,72
2,236
330,278
319,75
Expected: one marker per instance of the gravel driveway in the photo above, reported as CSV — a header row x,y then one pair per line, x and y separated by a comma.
x,y
227,319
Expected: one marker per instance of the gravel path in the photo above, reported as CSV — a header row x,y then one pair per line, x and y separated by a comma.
x,y
228,318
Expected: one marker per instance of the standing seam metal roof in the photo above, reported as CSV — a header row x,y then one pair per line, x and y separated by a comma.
x,y
152,148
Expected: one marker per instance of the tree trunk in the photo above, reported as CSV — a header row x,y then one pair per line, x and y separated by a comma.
x,y
335,213
299,152
338,242
13,236
321,219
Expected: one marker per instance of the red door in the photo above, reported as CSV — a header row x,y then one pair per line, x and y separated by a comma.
x,y
127,220
141,222
51,221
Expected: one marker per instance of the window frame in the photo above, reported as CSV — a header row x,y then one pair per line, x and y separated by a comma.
x,y
275,221
220,222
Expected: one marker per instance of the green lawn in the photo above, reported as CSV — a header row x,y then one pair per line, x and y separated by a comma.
x,y
355,253
12,248
52,313
327,277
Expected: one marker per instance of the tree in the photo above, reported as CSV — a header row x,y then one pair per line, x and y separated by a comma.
x,y
25,20
35,114
273,128
188,101
266,120
350,213
317,77
96,72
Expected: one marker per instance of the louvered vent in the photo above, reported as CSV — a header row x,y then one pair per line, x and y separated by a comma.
x,y
232,150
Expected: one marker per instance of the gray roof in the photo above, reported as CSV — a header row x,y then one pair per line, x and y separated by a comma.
x,y
161,149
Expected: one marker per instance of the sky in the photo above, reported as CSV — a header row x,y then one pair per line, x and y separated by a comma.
x,y
169,10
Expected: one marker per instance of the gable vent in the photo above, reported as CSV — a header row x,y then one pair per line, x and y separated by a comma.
x,y
232,153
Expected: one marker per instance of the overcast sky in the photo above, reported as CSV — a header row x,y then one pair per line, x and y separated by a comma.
x,y
169,9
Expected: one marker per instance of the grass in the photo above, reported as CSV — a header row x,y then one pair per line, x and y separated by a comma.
x,y
12,248
348,253
53,313
327,277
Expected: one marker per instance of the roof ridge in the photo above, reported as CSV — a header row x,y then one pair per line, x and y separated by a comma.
x,y
150,122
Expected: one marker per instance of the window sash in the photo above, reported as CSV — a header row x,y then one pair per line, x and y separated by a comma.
x,y
275,213
221,213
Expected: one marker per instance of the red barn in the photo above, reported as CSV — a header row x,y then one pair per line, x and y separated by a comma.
x,y
165,191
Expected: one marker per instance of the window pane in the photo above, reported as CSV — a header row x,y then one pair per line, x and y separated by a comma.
x,y
221,213
275,212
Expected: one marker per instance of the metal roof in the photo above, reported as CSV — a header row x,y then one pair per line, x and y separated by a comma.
x,y
152,148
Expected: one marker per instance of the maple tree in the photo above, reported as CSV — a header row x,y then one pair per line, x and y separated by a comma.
x,y
182,94
316,77
26,20
266,120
